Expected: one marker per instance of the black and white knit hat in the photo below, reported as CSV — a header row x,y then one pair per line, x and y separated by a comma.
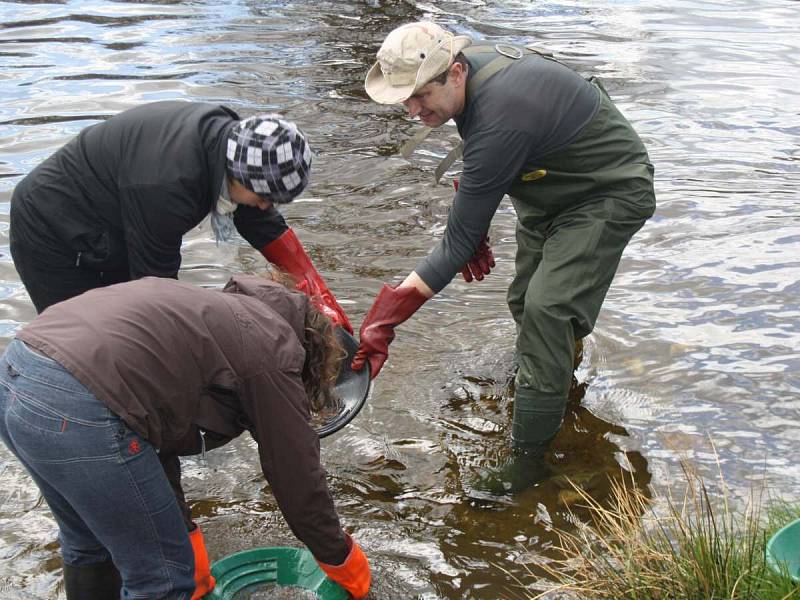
x,y
269,156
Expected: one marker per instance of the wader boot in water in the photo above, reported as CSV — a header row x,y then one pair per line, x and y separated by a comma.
x,y
525,468
92,582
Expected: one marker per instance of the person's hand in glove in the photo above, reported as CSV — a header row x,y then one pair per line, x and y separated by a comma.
x,y
391,307
325,302
204,582
481,263
353,574
287,253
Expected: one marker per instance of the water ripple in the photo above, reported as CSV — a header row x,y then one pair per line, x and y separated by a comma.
x,y
698,342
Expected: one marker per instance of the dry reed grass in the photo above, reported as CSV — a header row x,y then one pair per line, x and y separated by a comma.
x,y
692,546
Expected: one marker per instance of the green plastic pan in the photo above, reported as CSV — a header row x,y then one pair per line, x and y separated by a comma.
x,y
783,551
243,574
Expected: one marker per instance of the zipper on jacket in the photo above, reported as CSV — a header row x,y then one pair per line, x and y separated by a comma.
x,y
78,260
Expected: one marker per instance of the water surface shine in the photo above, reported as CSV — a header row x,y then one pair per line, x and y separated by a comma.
x,y
698,340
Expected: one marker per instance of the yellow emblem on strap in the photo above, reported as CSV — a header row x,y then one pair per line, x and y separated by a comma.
x,y
534,175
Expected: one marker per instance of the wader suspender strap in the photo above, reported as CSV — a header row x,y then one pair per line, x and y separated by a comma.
x,y
507,55
407,149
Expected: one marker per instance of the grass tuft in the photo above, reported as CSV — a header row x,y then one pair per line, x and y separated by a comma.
x,y
687,546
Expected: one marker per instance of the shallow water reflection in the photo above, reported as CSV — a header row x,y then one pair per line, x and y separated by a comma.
x,y
698,340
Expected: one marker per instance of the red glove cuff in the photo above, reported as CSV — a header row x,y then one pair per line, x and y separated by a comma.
x,y
325,302
391,307
287,253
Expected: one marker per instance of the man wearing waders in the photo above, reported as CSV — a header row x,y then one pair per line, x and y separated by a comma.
x,y
114,203
580,181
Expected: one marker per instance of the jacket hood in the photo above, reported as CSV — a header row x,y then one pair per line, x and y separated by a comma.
x,y
289,304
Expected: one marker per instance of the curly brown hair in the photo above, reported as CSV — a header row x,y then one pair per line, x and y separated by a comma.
x,y
324,353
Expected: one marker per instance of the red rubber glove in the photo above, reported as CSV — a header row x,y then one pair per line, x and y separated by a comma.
x,y
353,574
204,582
481,263
391,307
287,253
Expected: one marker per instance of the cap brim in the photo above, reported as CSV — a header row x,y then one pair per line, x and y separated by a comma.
x,y
381,91
460,42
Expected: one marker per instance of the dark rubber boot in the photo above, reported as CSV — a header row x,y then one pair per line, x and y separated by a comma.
x,y
524,469
92,582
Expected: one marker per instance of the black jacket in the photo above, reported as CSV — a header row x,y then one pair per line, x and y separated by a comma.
x,y
122,194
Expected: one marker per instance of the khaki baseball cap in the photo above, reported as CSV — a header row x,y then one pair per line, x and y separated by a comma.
x,y
409,58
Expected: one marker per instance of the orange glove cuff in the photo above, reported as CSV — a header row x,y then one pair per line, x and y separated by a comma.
x,y
204,582
353,574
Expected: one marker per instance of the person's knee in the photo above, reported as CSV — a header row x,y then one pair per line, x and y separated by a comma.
x,y
516,307
515,299
537,312
537,416
168,575
546,359
80,554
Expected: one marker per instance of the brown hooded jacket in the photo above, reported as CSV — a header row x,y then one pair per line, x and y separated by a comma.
x,y
185,367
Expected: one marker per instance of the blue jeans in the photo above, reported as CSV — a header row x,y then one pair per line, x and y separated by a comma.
x,y
103,482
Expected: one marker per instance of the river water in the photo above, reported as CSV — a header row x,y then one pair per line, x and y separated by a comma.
x,y
696,353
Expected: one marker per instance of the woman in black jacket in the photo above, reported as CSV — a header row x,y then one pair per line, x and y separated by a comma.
x,y
114,203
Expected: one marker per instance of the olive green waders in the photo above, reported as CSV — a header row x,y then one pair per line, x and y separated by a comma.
x,y
577,209
572,227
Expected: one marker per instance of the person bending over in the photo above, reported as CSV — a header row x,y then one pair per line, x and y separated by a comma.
x,y
96,388
114,203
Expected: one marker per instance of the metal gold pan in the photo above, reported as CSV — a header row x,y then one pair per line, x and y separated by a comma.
x,y
352,387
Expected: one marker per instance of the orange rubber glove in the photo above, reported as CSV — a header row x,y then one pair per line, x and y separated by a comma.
x,y
353,574
204,582
287,253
